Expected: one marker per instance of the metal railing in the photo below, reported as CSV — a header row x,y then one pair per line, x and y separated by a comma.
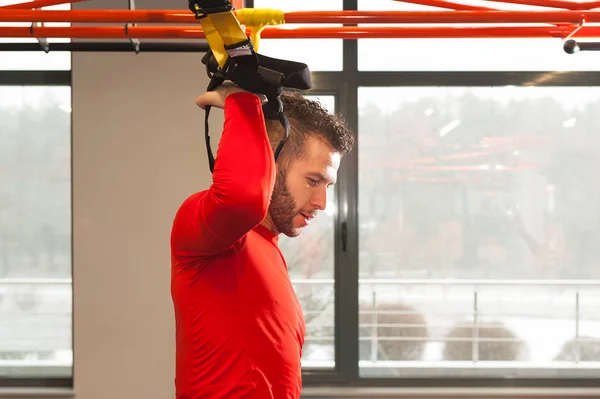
x,y
396,314
36,327
469,327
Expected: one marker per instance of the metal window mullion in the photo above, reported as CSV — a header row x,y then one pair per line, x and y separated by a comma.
x,y
35,78
346,265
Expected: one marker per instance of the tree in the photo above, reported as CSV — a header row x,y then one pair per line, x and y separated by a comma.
x,y
401,332
583,349
495,343
35,193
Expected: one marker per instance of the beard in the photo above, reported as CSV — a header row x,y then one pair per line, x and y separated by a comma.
x,y
283,207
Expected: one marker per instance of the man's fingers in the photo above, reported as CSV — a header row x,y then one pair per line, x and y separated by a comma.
x,y
216,98
204,100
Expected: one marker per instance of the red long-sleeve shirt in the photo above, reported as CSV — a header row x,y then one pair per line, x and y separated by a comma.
x,y
239,326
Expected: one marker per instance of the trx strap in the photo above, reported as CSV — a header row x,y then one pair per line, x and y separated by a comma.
x,y
232,56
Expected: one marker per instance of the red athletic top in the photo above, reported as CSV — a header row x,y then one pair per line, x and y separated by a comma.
x,y
239,326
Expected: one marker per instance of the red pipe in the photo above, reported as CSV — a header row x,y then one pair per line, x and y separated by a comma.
x,y
98,16
569,5
341,17
446,4
349,32
37,4
463,16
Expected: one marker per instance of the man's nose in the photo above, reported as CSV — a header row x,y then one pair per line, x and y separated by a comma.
x,y
319,200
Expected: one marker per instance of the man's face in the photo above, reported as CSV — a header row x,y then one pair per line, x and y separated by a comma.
x,y
301,190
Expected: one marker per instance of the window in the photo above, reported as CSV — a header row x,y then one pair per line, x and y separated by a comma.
x,y
310,259
475,54
35,233
35,217
318,54
479,231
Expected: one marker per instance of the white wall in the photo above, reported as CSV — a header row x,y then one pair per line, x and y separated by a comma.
x,y
138,152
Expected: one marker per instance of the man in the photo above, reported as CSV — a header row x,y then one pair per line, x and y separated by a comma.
x,y
240,328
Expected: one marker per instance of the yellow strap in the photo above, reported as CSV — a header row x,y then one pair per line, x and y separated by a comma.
x,y
257,19
224,28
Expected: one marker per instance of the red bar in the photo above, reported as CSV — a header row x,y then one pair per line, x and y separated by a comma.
x,y
99,16
446,4
38,4
569,5
348,32
349,17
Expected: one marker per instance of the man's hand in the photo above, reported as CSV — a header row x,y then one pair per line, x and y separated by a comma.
x,y
216,98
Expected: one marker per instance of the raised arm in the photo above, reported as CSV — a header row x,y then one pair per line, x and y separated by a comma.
x,y
244,175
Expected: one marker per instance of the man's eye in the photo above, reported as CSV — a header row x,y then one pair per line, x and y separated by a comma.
x,y
313,182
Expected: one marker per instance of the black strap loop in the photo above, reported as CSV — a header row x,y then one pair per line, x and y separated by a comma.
x,y
286,126
258,74
211,158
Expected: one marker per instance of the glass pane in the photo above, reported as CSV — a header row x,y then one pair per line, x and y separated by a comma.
x,y
310,259
30,60
35,232
318,54
477,54
478,233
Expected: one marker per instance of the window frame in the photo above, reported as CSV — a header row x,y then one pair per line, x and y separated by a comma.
x,y
38,78
35,78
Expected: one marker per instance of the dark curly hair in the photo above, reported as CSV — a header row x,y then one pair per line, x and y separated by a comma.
x,y
308,118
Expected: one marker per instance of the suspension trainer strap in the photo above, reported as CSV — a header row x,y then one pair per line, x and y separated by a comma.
x,y
232,56
211,157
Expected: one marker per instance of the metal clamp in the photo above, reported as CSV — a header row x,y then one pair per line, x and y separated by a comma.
x,y
42,41
134,42
571,46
